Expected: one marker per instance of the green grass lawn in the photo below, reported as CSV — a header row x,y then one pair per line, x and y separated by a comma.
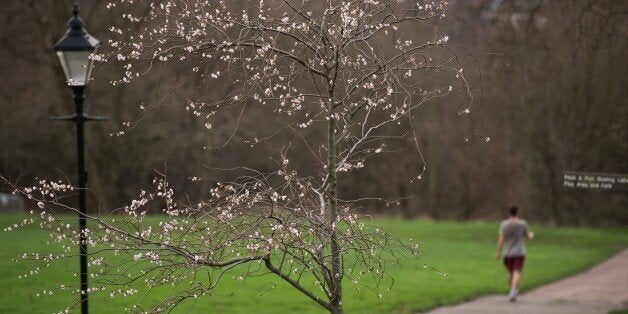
x,y
464,251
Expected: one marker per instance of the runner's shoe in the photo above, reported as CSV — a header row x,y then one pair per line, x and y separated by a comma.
x,y
512,296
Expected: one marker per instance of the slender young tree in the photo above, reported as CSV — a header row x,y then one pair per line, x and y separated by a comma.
x,y
357,69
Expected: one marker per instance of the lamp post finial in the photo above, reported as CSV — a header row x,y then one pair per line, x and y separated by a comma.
x,y
75,9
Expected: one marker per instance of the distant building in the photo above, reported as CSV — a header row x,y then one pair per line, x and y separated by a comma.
x,y
519,12
11,202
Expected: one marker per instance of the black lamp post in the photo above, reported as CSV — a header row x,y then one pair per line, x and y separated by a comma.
x,y
74,51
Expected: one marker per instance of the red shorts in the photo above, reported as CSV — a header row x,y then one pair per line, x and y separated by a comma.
x,y
514,263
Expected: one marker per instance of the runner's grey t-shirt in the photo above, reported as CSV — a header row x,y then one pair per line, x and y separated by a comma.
x,y
514,232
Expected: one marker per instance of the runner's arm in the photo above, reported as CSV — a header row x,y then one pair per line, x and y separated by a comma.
x,y
500,244
529,234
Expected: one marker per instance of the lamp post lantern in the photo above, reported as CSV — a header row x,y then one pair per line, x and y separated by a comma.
x,y
74,51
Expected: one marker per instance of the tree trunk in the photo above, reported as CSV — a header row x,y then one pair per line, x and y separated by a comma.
x,y
335,304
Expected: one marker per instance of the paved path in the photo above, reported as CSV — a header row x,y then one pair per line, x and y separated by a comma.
x,y
598,290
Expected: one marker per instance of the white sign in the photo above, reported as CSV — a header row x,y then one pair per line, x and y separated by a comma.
x,y
592,180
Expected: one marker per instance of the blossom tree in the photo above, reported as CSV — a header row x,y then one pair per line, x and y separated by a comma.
x,y
357,69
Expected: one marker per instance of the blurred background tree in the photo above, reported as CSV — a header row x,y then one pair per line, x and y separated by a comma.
x,y
553,100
